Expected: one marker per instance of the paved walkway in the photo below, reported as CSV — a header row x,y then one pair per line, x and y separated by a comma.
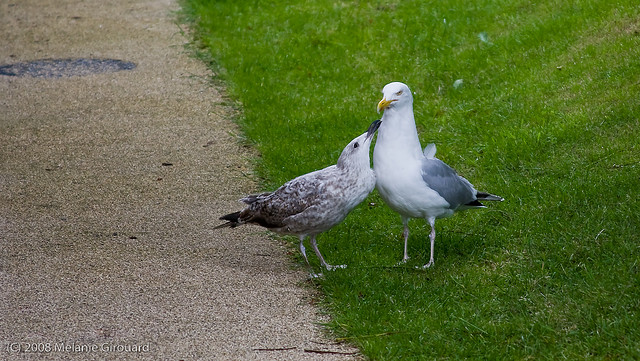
x,y
110,185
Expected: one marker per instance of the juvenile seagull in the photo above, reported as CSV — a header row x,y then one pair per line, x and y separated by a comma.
x,y
315,202
412,182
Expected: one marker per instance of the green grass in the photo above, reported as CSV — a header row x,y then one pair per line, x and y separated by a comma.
x,y
548,116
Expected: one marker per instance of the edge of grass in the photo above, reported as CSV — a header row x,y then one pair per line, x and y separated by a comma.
x,y
545,117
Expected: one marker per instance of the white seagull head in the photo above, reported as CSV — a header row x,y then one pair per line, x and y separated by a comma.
x,y
356,153
395,95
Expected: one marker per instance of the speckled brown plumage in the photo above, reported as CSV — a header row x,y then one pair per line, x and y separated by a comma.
x,y
314,202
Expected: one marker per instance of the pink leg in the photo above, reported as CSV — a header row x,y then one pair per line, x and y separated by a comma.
x,y
405,235
302,250
432,238
322,261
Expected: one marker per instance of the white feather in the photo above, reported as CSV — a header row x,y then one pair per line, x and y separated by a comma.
x,y
430,151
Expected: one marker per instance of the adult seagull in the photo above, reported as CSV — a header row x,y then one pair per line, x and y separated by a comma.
x,y
411,181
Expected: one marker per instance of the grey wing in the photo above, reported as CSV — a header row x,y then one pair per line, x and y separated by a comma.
x,y
444,180
292,198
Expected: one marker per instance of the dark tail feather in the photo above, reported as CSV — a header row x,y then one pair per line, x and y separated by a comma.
x,y
232,218
488,197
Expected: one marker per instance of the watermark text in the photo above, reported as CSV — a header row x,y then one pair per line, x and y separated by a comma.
x,y
73,347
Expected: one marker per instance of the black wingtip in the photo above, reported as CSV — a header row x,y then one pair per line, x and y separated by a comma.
x,y
232,218
489,197
475,204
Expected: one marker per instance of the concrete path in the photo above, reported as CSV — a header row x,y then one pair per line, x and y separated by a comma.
x,y
110,185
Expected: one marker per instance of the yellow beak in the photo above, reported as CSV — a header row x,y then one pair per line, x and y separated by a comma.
x,y
384,104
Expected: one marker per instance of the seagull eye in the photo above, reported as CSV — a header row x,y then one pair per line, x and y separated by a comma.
x,y
399,93
356,145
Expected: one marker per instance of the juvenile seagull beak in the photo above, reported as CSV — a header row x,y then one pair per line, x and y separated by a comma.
x,y
372,128
384,104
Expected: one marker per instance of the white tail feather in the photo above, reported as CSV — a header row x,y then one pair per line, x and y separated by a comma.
x,y
430,151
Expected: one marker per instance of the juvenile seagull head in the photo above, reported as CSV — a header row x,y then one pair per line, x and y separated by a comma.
x,y
395,95
356,154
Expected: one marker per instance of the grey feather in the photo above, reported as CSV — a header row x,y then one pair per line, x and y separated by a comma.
x,y
444,180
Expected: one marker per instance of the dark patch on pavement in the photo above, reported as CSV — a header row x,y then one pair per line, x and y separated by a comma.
x,y
57,68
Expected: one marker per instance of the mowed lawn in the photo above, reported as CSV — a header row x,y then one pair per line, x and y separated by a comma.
x,y
538,102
